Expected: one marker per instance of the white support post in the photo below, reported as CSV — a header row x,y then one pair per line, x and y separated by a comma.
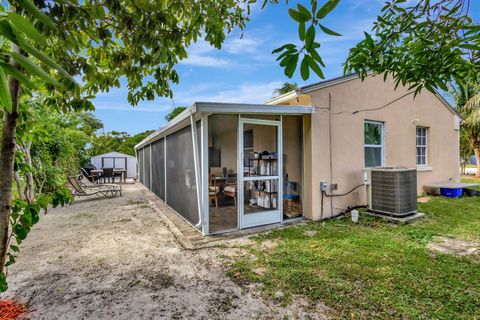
x,y
196,160
204,154
280,168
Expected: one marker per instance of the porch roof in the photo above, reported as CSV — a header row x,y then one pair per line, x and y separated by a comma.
x,y
182,119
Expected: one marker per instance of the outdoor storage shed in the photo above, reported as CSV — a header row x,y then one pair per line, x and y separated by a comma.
x,y
116,160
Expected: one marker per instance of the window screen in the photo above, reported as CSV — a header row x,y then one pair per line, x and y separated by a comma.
x,y
421,140
181,191
158,168
146,155
373,143
140,165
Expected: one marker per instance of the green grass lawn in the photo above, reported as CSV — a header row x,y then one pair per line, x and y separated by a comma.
x,y
373,270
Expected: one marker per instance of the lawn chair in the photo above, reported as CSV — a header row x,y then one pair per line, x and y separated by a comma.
x,y
108,174
84,182
107,191
88,176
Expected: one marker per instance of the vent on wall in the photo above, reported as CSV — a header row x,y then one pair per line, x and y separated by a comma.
x,y
392,190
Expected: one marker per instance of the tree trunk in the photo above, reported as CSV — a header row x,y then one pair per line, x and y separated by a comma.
x,y
18,180
29,183
7,161
477,157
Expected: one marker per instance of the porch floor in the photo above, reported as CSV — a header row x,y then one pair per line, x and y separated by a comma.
x,y
191,238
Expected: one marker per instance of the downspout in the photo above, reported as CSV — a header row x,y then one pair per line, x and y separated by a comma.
x,y
198,184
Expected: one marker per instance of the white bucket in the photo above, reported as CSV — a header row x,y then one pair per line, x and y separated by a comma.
x,y
354,216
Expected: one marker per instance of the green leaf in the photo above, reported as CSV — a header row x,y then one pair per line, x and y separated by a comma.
x,y
314,54
301,31
314,66
304,11
34,11
31,67
18,75
49,62
297,16
369,40
3,282
309,37
329,31
5,97
23,25
304,70
20,231
327,8
291,65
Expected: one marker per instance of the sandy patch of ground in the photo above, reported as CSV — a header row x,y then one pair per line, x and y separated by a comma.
x,y
114,259
424,199
454,246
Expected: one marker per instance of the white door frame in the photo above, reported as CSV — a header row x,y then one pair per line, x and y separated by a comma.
x,y
264,217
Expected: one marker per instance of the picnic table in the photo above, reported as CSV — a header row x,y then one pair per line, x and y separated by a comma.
x,y
98,172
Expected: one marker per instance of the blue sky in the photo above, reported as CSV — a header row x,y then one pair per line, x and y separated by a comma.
x,y
244,70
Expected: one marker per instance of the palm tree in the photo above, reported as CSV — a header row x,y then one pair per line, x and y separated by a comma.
x,y
467,99
286,88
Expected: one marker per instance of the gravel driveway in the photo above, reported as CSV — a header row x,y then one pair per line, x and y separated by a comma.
x,y
115,259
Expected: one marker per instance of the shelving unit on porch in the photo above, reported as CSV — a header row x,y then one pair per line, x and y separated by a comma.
x,y
262,194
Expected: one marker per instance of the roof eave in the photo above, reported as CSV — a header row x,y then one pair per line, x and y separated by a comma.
x,y
179,118
284,97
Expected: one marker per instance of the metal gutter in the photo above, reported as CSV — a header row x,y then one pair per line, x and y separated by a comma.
x,y
243,108
181,117
330,82
448,105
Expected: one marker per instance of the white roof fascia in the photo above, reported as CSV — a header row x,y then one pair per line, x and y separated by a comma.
x,y
244,108
284,97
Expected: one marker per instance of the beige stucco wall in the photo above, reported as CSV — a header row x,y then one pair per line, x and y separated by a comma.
x,y
400,119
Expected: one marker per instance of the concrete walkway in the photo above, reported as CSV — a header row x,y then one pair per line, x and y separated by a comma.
x,y
115,259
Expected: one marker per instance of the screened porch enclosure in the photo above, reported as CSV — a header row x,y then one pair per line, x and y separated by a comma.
x,y
233,171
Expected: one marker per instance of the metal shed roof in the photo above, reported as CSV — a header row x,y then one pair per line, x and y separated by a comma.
x,y
224,108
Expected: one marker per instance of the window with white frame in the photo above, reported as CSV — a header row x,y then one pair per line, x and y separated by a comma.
x,y
421,141
374,143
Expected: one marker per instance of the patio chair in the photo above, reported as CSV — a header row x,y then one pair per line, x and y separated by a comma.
x,y
213,190
108,173
230,189
85,183
118,174
90,177
107,191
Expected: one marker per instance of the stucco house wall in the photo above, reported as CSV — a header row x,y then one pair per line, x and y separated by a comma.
x,y
343,162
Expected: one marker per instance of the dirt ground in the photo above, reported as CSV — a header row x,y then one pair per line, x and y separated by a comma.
x,y
115,259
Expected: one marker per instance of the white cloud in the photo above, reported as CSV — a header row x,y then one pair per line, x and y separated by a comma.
x,y
243,45
142,107
244,93
203,60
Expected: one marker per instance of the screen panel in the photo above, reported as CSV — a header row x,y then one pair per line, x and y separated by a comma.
x,y
180,189
146,155
158,168
140,165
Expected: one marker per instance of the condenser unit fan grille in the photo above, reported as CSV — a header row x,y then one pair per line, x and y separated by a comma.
x,y
394,191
